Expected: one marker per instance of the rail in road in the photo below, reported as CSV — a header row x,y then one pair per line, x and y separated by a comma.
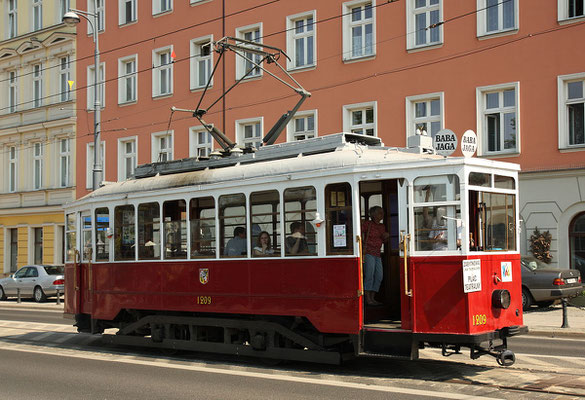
x,y
533,376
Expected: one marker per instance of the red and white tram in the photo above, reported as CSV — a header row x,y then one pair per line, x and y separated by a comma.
x,y
150,256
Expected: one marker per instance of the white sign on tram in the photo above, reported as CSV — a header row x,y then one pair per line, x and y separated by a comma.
x,y
445,142
469,143
471,276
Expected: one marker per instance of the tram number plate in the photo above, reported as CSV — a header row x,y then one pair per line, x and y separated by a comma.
x,y
204,300
478,319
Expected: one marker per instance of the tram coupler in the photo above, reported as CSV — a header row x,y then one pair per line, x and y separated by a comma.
x,y
503,356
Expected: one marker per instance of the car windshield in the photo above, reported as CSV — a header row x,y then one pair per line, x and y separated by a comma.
x,y
53,269
534,264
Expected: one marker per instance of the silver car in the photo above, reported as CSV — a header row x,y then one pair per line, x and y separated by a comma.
x,y
36,281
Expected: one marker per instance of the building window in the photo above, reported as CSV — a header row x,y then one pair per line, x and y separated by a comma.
x,y
301,41
424,113
360,118
89,163
126,11
201,61
12,169
162,147
64,6
37,14
246,61
12,91
12,18
64,162
98,7
161,6
37,85
303,126
494,16
64,78
359,37
127,80
200,142
577,243
37,165
422,17
162,73
91,88
127,158
569,9
249,132
571,110
38,245
498,127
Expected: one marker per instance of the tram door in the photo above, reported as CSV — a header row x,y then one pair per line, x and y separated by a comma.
x,y
384,193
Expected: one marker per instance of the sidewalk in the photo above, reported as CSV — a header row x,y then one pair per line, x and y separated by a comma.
x,y
548,321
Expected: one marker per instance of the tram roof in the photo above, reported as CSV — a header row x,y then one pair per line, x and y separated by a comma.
x,y
334,153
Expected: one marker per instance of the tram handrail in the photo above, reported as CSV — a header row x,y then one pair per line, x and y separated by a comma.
x,y
358,238
76,256
405,237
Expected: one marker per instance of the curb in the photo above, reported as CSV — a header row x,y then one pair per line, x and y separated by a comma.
x,y
556,332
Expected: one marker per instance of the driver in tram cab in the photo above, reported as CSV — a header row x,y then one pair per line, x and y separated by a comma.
x,y
237,245
296,243
438,231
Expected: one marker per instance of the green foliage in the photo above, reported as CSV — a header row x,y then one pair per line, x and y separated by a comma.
x,y
540,245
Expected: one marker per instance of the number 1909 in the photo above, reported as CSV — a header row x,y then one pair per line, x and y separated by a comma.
x,y
204,300
478,319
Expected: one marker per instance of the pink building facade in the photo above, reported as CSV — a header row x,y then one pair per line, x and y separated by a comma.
x,y
508,70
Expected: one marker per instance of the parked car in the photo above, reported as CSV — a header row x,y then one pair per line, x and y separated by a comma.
x,y
36,281
543,284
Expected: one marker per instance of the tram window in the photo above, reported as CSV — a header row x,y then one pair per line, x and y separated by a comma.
x,y
339,218
480,179
102,224
438,228
300,207
436,188
368,201
70,237
175,229
124,233
86,236
232,225
504,182
265,217
492,221
149,231
202,220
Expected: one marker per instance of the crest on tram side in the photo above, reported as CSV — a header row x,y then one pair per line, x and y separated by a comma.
x,y
203,275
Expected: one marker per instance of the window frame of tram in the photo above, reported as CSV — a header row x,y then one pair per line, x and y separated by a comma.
x,y
149,243
339,219
202,224
437,213
300,207
265,218
175,229
228,223
86,228
102,224
485,207
124,233
70,237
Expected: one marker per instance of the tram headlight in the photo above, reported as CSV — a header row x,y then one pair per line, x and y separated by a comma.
x,y
501,298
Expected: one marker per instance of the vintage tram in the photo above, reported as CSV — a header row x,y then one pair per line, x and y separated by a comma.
x,y
150,263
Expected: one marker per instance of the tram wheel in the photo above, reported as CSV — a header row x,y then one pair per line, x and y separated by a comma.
x,y
506,358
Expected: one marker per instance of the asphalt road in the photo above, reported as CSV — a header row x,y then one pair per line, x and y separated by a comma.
x,y
48,317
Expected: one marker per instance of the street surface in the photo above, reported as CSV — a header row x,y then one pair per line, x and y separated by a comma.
x,y
47,359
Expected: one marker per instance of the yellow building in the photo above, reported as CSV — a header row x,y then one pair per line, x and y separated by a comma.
x,y
37,130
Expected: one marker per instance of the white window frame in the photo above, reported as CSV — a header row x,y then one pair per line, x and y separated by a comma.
x,y
195,145
241,63
157,150
291,133
563,11
64,68
292,37
241,130
12,91
11,19
482,134
101,11
64,156
159,69
348,25
411,29
157,9
37,15
196,57
12,168
122,11
37,170
563,114
347,117
37,85
124,78
62,7
413,122
122,156
482,14
89,163
101,86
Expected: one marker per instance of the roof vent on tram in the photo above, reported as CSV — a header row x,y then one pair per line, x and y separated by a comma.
x,y
421,142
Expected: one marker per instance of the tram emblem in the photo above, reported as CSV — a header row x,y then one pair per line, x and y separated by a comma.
x,y
203,275
506,267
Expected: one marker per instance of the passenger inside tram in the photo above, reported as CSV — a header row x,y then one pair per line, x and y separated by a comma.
x,y
236,246
296,243
263,247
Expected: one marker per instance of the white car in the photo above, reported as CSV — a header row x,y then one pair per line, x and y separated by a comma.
x,y
36,281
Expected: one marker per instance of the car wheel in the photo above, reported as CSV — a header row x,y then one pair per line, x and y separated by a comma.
x,y
544,304
39,295
2,294
526,299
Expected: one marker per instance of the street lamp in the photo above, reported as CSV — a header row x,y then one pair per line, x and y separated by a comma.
x,y
72,18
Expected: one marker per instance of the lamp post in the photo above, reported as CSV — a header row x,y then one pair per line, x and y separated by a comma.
x,y
71,18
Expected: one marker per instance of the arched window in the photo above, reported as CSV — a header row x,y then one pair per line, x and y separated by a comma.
x,y
577,242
